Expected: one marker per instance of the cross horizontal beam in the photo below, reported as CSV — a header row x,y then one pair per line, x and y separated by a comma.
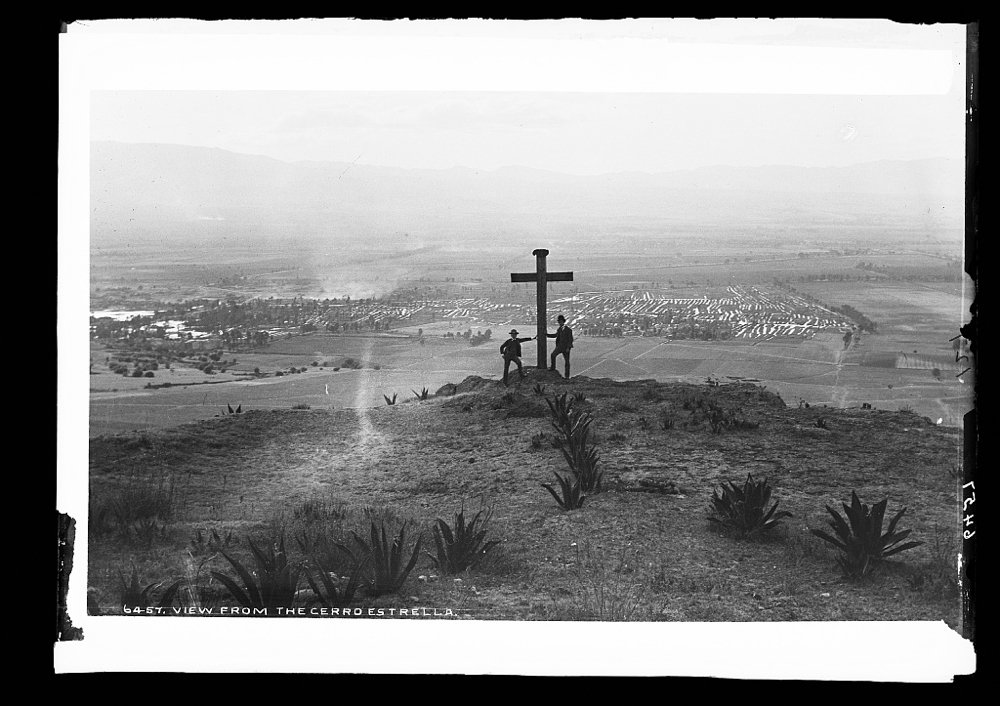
x,y
541,277
549,276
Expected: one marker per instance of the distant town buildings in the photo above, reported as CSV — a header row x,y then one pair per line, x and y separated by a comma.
x,y
748,312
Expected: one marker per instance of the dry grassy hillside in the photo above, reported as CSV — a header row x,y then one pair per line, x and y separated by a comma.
x,y
174,503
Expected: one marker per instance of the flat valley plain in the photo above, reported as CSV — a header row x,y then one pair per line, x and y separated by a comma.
x,y
917,315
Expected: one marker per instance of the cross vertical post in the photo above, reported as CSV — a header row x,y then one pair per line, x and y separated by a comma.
x,y
541,276
542,300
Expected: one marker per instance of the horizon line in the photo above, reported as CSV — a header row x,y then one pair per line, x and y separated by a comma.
x,y
521,166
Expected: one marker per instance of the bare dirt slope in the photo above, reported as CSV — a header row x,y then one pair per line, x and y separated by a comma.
x,y
641,550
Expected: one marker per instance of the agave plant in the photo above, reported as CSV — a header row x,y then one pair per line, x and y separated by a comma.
x,y
333,594
743,509
390,400
461,549
423,394
560,406
193,595
147,530
387,572
537,441
580,453
571,495
860,537
272,585
720,419
324,553
578,449
134,596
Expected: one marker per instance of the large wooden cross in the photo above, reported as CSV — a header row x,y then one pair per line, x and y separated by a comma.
x,y
541,276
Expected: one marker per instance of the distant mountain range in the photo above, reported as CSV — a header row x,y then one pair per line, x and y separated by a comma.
x,y
158,190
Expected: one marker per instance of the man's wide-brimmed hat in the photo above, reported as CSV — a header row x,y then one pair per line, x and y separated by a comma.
x,y
513,332
560,318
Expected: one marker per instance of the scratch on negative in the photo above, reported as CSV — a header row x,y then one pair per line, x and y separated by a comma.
x,y
351,165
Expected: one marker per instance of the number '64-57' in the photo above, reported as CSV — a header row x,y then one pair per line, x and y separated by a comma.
x,y
968,534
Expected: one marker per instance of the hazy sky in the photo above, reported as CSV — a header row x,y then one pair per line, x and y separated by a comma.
x,y
673,95
577,133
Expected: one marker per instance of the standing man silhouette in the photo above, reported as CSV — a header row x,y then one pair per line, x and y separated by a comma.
x,y
511,352
564,342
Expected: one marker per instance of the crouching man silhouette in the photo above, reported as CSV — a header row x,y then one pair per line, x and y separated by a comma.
x,y
564,342
511,352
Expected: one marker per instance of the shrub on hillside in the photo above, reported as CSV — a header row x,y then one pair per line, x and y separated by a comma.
x,y
461,548
271,585
859,538
132,597
940,577
743,509
573,426
570,495
651,394
386,571
329,592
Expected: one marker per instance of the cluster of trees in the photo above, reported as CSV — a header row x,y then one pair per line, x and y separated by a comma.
x,y
255,313
837,277
336,314
235,337
607,331
883,273
664,325
474,339
373,323
208,363
861,321
712,331
141,367
480,338
944,273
